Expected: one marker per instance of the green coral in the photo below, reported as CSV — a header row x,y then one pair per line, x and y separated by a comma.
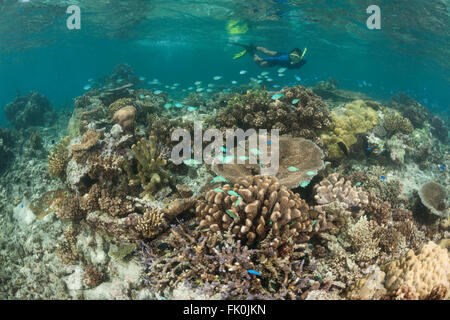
x,y
349,121
151,175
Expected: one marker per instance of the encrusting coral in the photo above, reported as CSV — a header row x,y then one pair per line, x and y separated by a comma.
x,y
299,161
88,141
58,159
151,175
255,208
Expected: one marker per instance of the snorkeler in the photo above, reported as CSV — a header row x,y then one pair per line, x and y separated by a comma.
x,y
292,60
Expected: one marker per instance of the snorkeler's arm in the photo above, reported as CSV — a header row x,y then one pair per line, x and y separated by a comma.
x,y
266,51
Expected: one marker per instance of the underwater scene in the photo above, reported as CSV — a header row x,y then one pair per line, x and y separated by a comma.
x,y
224,150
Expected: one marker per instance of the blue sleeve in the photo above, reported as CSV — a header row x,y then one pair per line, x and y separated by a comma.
x,y
282,59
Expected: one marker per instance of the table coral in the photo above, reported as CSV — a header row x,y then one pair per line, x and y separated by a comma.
x,y
434,197
299,161
349,120
255,208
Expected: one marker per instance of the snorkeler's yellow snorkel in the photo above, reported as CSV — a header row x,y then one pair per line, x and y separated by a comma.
x,y
296,58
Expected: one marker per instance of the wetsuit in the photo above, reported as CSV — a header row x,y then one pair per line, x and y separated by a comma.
x,y
283,60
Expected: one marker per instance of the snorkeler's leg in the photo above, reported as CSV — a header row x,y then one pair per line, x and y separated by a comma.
x,y
266,51
260,61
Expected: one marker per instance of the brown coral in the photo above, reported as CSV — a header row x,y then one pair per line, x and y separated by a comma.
x,y
88,141
255,208
434,197
119,104
151,223
58,159
299,161
394,122
126,117
421,271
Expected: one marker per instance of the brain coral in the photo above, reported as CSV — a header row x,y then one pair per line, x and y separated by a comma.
x,y
254,208
349,120
299,162
420,272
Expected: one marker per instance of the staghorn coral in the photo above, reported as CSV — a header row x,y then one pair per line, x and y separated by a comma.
x,y
70,208
394,122
434,197
299,161
58,159
92,277
255,208
335,188
349,120
151,223
422,271
151,175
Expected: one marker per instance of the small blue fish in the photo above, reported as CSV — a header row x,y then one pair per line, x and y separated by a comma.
x,y
141,96
191,109
269,142
157,91
442,167
277,96
368,148
383,178
256,273
87,87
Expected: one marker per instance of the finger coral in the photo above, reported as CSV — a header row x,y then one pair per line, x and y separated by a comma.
x,y
336,188
254,208
58,159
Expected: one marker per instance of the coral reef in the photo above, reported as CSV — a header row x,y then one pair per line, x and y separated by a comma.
x,y
151,175
33,109
6,144
298,111
335,188
256,208
434,197
299,161
58,159
349,120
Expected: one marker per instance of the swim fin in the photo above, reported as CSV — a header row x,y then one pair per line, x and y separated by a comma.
x,y
240,54
304,52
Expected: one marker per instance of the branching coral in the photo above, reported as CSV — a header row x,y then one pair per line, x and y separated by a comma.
x,y
162,128
58,159
394,122
151,175
150,224
254,208
335,188
350,120
299,112
363,240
